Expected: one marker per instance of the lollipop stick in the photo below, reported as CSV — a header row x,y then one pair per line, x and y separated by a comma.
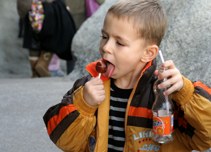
x,y
99,75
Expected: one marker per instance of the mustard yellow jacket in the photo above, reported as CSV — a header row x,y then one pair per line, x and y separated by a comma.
x,y
74,126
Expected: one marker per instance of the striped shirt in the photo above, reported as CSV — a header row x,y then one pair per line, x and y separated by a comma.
x,y
118,103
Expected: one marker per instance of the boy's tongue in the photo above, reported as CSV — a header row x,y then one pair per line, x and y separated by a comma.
x,y
110,70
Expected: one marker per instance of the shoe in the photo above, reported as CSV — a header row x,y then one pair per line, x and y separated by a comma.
x,y
42,64
33,62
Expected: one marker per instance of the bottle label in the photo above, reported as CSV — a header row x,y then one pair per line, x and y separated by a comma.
x,y
163,125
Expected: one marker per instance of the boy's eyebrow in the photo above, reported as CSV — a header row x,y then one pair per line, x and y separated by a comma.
x,y
118,37
103,31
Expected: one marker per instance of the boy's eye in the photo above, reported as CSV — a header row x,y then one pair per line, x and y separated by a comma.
x,y
121,44
103,37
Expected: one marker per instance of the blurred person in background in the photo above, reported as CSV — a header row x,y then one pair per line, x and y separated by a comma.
x,y
43,56
45,63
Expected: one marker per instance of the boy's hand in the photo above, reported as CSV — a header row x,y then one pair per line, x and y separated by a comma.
x,y
94,92
173,78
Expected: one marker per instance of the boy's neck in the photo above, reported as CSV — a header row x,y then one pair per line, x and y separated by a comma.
x,y
129,81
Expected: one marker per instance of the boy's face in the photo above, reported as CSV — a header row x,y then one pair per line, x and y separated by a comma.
x,y
122,47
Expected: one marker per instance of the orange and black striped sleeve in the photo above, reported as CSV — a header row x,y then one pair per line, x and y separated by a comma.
x,y
194,116
59,117
202,89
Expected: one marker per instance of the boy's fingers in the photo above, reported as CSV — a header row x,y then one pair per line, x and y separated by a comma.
x,y
172,89
169,64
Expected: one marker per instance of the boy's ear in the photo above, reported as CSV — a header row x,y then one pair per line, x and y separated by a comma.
x,y
150,53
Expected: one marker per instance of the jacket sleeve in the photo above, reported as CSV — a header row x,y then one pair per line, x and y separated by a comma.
x,y
194,118
70,123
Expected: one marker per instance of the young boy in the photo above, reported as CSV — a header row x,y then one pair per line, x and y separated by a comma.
x,y
113,113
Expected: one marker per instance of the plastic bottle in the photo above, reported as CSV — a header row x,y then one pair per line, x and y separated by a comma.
x,y
163,117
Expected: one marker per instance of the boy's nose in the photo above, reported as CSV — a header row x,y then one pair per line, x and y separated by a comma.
x,y
107,48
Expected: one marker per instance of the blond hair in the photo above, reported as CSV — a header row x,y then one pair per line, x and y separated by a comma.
x,y
148,17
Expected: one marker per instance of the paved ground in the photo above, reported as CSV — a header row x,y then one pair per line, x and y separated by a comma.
x,y
23,102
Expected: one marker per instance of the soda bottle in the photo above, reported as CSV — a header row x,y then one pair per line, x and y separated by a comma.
x,y
163,117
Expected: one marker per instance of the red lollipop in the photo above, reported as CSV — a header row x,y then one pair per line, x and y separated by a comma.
x,y
101,67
